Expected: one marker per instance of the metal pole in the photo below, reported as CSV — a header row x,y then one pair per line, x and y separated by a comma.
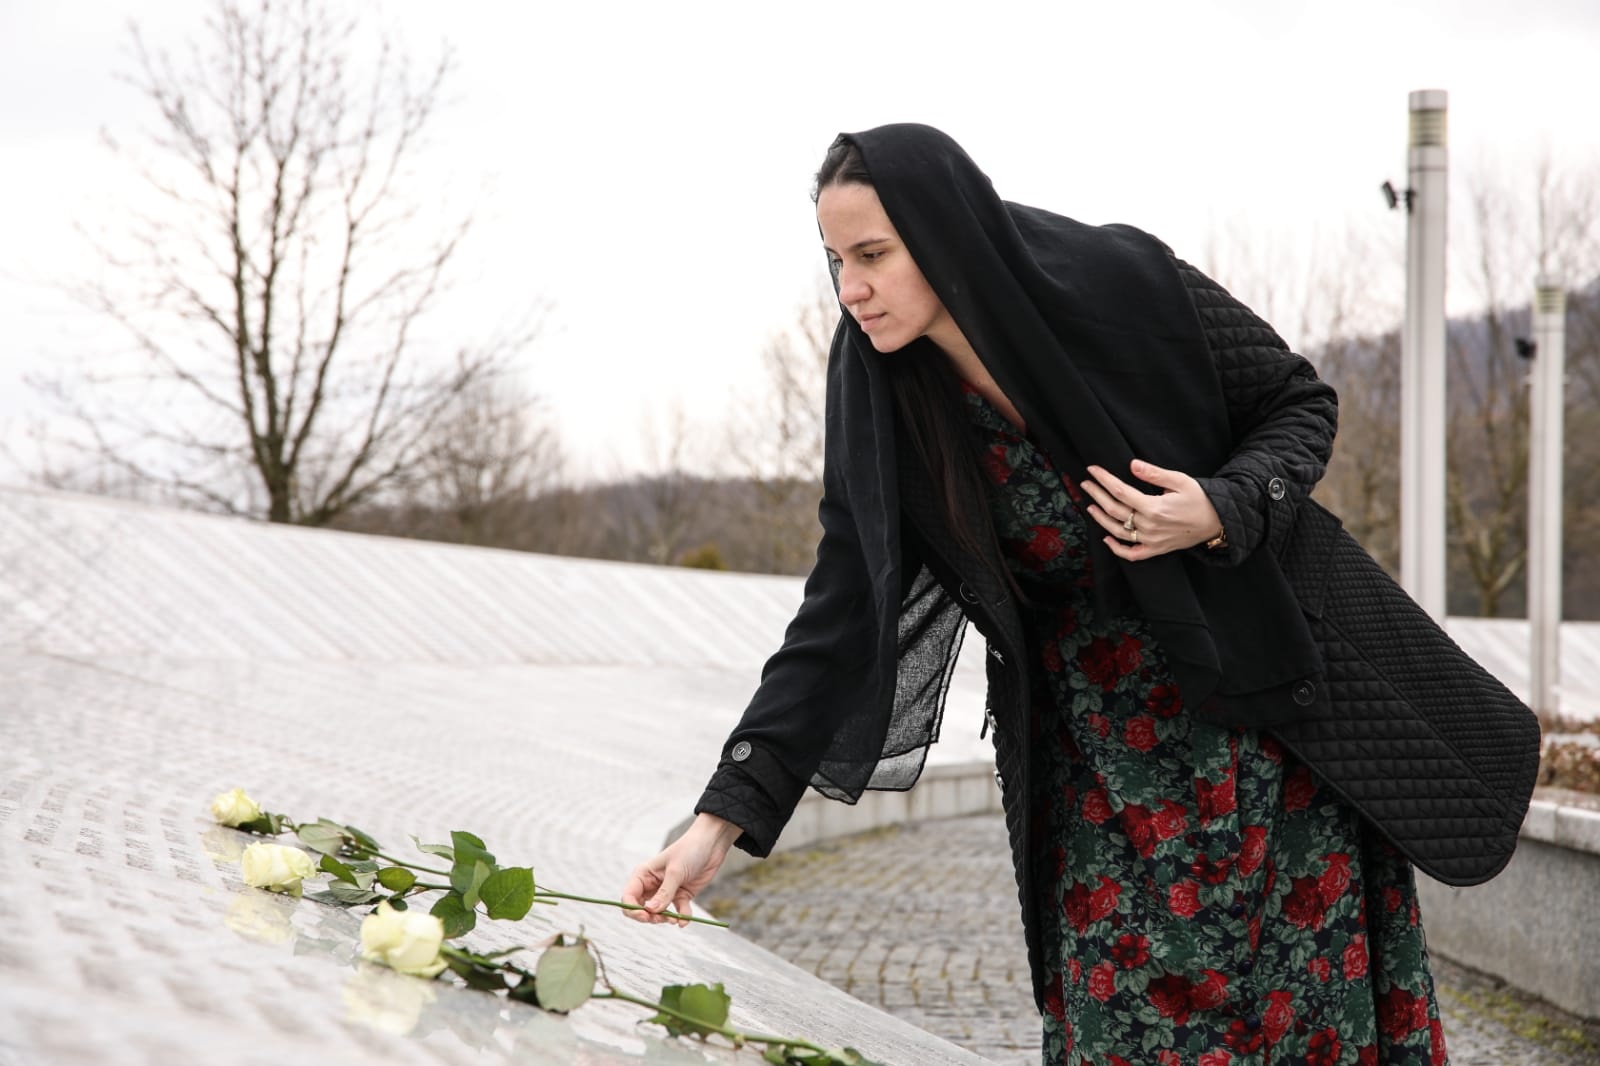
x,y
1545,433
1422,399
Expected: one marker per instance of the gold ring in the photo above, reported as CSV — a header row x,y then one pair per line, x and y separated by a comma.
x,y
1128,523
1136,536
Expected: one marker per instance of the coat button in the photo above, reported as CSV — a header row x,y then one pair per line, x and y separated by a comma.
x,y
1236,911
741,751
999,781
966,593
1245,967
1304,692
1276,488
1252,1022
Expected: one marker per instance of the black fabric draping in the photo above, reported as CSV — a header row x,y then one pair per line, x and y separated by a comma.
x,y
1093,333
1090,332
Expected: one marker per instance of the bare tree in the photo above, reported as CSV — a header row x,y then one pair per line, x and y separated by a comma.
x,y
1548,225
670,501
777,438
487,457
276,294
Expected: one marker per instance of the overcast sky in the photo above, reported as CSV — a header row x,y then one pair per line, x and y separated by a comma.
x,y
643,169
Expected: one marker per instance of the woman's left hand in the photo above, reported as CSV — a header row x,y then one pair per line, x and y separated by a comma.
x,y
1142,526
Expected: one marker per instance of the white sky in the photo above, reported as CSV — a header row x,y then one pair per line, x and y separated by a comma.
x,y
643,168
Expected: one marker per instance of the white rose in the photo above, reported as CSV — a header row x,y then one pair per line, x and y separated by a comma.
x,y
275,867
407,941
234,808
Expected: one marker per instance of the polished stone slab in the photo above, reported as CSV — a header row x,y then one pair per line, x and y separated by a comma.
x,y
569,712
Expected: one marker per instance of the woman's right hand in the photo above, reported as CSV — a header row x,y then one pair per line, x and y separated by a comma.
x,y
679,871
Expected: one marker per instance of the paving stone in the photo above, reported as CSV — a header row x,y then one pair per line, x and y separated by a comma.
x,y
935,905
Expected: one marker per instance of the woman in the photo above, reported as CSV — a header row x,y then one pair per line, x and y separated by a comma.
x,y
1089,450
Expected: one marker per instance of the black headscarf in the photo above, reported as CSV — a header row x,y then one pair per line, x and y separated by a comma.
x,y
1090,332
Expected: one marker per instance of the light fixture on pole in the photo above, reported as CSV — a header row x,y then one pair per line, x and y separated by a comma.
x,y
1546,424
1422,395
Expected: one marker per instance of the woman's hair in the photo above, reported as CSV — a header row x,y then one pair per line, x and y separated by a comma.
x,y
842,165
927,395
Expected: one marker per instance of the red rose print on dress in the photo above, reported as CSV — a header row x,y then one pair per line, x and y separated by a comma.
x,y
1099,663
1214,800
1054,1004
1242,1038
1436,1052
1131,950
1215,1058
1319,967
1103,901
1323,1048
1140,827
1277,1016
1164,701
1145,829
1083,905
1298,789
1355,958
1168,1057
1210,871
1140,733
1303,905
1253,849
1097,806
996,465
1183,899
1103,981
1130,652
1171,820
1100,724
1044,546
1335,879
1169,995
1401,1014
1210,993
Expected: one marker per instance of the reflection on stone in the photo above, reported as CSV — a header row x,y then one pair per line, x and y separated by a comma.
x,y
224,846
379,997
261,917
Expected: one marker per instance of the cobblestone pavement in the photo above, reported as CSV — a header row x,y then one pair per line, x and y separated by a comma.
x,y
921,920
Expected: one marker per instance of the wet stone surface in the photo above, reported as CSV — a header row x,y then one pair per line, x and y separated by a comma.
x,y
922,921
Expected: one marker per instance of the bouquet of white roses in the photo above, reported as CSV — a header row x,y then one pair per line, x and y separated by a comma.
x,y
567,972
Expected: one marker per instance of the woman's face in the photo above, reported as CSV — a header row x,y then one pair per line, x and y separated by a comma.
x,y
878,282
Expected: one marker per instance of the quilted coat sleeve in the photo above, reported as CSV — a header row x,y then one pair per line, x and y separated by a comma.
x,y
1282,418
805,688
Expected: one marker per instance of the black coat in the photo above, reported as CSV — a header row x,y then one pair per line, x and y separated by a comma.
x,y
1111,349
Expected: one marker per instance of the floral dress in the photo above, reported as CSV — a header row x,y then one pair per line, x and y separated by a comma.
x,y
1203,901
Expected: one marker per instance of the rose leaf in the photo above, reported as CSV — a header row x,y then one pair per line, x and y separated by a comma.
x,y
565,977
458,919
508,893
